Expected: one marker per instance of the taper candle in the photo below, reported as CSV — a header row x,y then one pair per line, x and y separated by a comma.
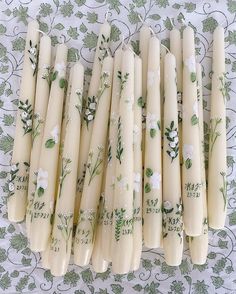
x,y
40,111
199,245
94,94
191,169
85,231
20,162
138,166
152,199
61,240
122,230
43,205
217,183
172,200
111,159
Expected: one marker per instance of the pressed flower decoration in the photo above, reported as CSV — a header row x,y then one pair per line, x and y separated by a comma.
x,y
152,124
171,134
188,155
54,138
26,115
42,181
190,63
33,56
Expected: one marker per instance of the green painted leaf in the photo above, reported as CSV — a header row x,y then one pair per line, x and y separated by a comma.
x,y
193,77
154,17
103,276
138,287
66,8
73,54
15,274
153,133
87,276
90,40
80,2
45,9
217,281
18,44
209,24
11,228
8,119
23,282
188,163
2,232
49,143
232,218
3,175
115,33
117,289
194,120
189,6
48,276
162,3
31,286
200,287
26,261
3,255
231,6
73,33
185,267
71,278
147,188
5,281
59,26
18,242
149,172
231,38
222,244
114,5
83,28
63,83
40,191
92,17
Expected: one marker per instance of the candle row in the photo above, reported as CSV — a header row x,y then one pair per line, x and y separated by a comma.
x,y
126,165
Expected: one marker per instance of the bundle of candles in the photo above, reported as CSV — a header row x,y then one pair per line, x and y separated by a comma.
x,y
124,165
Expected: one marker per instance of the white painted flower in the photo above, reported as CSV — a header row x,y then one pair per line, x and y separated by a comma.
x,y
123,184
176,140
42,179
180,208
90,117
24,115
14,167
92,105
195,108
61,69
172,144
155,180
167,205
187,151
29,122
172,154
137,180
11,187
33,65
135,133
114,118
51,206
173,134
55,134
190,63
78,91
87,112
33,51
151,121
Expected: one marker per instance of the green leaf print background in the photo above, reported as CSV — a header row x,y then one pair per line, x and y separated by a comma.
x,y
77,22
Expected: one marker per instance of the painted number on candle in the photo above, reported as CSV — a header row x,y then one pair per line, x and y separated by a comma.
x,y
123,226
18,179
152,206
86,227
193,189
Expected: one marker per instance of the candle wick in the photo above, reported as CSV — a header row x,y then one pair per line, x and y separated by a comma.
x,y
42,32
107,14
165,47
152,31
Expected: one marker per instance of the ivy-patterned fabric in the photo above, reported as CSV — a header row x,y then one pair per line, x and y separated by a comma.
x,y
77,22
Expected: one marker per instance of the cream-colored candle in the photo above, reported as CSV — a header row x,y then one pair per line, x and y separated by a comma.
x,y
94,94
217,184
40,111
111,159
199,245
122,230
152,199
85,231
99,263
61,240
138,166
172,200
177,50
45,261
19,174
191,169
43,205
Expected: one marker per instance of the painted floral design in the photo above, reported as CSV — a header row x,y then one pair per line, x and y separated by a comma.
x,y
223,86
94,164
180,106
152,76
54,138
214,132
187,155
103,48
42,182
66,226
49,75
86,236
38,121
223,189
123,77
136,133
119,147
154,180
119,219
91,105
13,173
171,134
65,170
79,105
137,181
122,183
33,56
26,115
190,63
152,124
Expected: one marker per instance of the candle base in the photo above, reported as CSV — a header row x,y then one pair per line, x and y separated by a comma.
x,y
15,214
84,256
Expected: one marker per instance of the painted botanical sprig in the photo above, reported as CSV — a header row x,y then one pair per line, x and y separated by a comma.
x,y
153,180
91,217
38,121
109,153
222,86
54,138
80,181
65,226
188,155
26,115
119,147
214,133
171,134
94,164
13,173
190,63
223,189
119,220
64,172
180,106
103,48
195,116
79,104
91,105
152,124
50,75
123,79
33,56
